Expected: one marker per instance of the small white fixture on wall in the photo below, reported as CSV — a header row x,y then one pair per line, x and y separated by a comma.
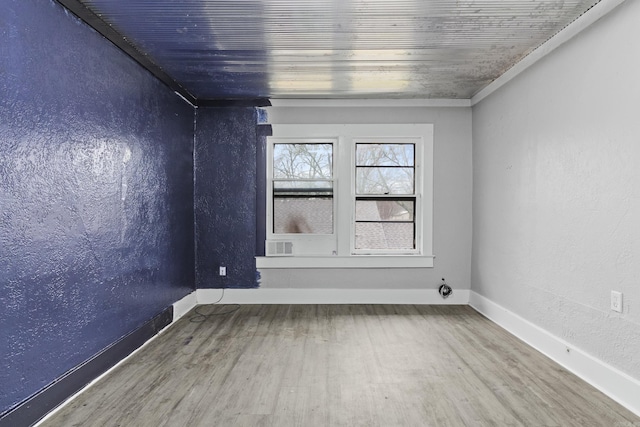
x,y
616,301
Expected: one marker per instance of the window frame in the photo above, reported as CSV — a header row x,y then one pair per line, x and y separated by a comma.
x,y
338,253
321,240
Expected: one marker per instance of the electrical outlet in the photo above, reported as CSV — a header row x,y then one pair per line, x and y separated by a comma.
x,y
222,271
616,301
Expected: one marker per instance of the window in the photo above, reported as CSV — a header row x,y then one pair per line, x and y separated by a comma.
x,y
302,188
301,207
349,195
385,197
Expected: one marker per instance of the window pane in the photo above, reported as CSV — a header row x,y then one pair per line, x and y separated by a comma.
x,y
302,161
385,154
384,210
310,215
383,180
385,235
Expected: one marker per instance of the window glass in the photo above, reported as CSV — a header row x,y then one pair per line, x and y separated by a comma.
x,y
385,168
311,215
302,188
384,180
383,235
382,221
385,210
302,161
385,154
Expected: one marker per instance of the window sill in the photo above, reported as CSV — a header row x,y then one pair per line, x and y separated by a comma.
x,y
356,261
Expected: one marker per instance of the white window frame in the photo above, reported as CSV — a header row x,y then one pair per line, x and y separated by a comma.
x,y
305,244
337,250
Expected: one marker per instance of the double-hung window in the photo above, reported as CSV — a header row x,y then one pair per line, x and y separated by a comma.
x,y
301,204
386,196
349,196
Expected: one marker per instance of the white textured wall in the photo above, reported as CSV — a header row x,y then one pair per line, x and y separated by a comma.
x,y
556,191
452,202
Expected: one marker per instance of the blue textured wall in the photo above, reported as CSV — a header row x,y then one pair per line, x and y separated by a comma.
x,y
225,196
96,196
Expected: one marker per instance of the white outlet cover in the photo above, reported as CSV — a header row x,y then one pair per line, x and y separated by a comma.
x,y
616,301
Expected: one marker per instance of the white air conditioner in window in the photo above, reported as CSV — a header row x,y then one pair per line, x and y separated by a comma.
x,y
279,248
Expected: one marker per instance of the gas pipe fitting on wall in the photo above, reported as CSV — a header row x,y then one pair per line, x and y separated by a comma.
x,y
445,290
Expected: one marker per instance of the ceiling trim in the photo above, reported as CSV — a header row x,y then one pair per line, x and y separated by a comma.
x,y
567,33
95,22
374,102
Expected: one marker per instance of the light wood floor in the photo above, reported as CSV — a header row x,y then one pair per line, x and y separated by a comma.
x,y
340,365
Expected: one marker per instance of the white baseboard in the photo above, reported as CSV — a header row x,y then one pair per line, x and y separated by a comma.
x,y
330,296
182,307
621,387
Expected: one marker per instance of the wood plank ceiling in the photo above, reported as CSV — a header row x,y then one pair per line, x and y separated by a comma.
x,y
224,49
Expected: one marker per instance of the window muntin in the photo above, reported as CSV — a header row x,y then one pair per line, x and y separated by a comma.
x,y
302,188
385,197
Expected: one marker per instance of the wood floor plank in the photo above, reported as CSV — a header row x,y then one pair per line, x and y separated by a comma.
x,y
340,365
